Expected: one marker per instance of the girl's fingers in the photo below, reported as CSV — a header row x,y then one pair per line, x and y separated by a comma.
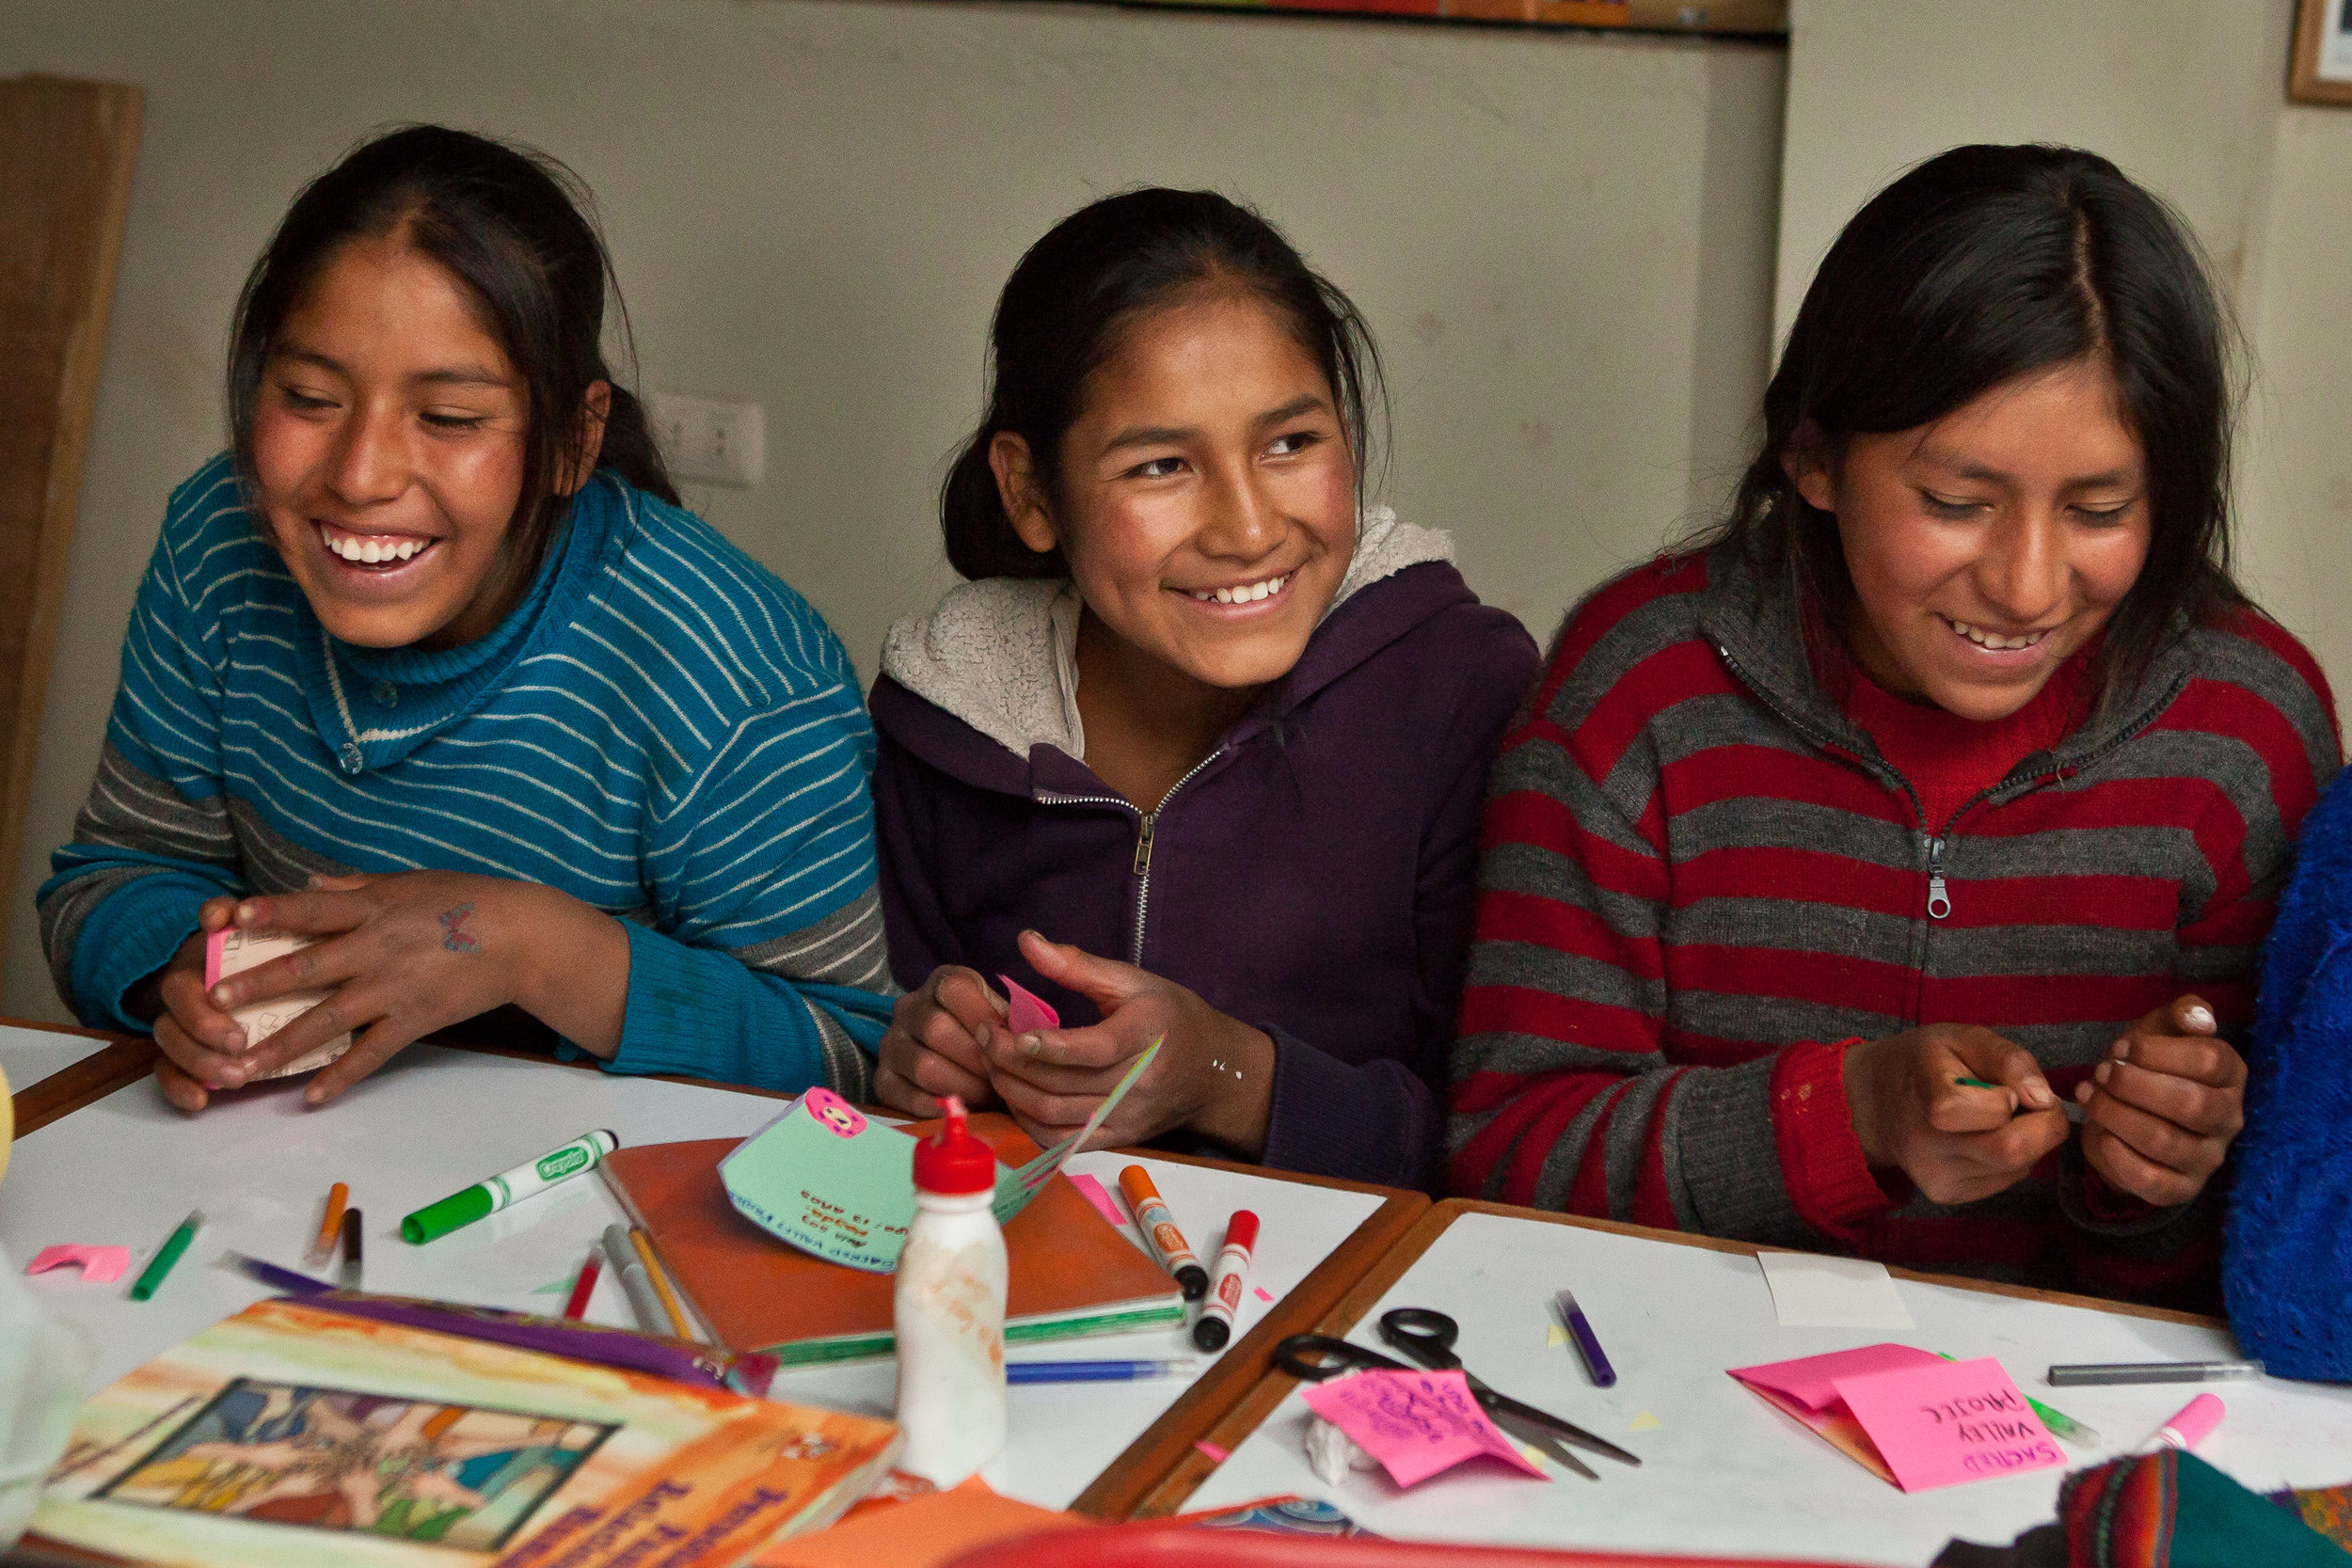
x,y
211,1068
894,1090
183,1092
2186,1103
940,1076
1027,1101
382,1041
964,996
1097,1048
1008,1058
2127,1170
2154,1139
314,968
186,1005
305,913
2198,1058
1105,982
215,915
345,1010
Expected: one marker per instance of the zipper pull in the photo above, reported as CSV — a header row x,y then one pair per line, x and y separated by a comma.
x,y
1939,902
1143,844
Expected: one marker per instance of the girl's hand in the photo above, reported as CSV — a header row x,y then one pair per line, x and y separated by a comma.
x,y
1213,1074
936,1044
1957,1144
201,1045
407,954
2165,1105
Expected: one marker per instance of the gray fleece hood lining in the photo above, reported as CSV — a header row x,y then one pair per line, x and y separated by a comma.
x,y
1001,653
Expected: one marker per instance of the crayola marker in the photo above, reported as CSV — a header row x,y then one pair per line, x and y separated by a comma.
x,y
486,1197
1158,1225
1232,1270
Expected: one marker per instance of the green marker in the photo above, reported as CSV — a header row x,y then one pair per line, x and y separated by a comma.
x,y
486,1197
173,1247
1975,1083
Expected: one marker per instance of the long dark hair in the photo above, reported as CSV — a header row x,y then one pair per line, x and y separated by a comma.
x,y
508,223
1980,265
1062,316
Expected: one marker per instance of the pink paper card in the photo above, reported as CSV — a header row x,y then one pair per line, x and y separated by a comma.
x,y
1812,1380
232,951
1949,1422
1100,1196
1414,1423
1024,1011
100,1265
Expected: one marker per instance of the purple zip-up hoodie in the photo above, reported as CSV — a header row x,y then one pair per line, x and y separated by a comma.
x,y
1315,877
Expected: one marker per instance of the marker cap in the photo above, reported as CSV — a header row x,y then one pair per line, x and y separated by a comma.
x,y
452,1212
1242,1230
2198,1417
1210,1333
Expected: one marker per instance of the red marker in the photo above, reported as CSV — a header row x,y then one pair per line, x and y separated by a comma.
x,y
1215,1326
578,1305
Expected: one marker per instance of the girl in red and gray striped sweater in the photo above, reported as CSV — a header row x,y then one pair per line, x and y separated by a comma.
x,y
1954,757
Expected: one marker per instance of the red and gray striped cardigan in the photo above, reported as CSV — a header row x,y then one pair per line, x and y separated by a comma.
x,y
1700,880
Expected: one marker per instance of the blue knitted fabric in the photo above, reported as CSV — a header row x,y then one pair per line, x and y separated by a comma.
x,y
660,729
2287,1258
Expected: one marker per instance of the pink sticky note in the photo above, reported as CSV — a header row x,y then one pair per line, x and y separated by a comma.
x,y
1027,1012
1414,1423
1265,1294
101,1265
1949,1422
1100,1196
1216,1455
1812,1380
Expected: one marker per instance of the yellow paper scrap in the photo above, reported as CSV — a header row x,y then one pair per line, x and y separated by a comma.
x,y
1644,1423
1557,1337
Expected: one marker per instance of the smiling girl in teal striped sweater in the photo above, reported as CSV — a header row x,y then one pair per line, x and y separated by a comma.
x,y
434,668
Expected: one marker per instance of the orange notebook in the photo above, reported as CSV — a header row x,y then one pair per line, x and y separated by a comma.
x,y
1071,1273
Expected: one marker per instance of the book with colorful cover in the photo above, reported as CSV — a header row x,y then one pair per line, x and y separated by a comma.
x,y
294,1437
1070,1272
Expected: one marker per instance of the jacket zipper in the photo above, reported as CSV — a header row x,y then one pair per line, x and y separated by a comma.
x,y
1147,825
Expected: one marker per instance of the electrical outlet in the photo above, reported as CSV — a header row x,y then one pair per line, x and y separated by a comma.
x,y
708,439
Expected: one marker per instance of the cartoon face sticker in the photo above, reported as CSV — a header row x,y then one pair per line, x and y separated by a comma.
x,y
833,1112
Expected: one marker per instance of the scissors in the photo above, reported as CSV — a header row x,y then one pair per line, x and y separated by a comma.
x,y
1427,1337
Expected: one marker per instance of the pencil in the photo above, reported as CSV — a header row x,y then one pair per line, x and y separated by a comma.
x,y
331,1225
654,1271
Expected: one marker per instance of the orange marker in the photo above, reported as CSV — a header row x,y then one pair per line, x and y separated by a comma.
x,y
1158,1225
330,1228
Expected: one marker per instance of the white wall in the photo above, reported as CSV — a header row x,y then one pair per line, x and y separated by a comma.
x,y
1564,242
2189,97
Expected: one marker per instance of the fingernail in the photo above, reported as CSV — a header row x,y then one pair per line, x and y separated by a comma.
x,y
2197,1018
221,995
236,1039
231,1078
245,912
1032,1044
2082,1092
2101,1071
2037,1091
2122,1050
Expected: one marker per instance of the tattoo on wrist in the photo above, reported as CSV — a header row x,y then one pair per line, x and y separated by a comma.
x,y
454,936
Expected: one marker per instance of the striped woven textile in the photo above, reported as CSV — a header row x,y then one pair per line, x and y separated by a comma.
x,y
1700,880
661,729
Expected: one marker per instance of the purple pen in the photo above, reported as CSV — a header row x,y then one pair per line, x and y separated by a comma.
x,y
1572,1317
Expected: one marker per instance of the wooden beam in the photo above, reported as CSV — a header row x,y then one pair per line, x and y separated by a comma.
x,y
66,150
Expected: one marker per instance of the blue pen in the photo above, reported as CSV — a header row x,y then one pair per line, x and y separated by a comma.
x,y
1094,1371
1587,1344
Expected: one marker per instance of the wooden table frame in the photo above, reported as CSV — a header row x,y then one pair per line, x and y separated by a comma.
x,y
1144,1469
1241,1418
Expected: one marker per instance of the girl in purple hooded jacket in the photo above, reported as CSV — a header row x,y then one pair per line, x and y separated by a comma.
x,y
1199,751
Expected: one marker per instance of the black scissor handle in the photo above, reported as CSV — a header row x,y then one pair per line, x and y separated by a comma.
x,y
1314,1357
1425,1335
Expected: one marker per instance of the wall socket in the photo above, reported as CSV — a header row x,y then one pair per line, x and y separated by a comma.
x,y
708,439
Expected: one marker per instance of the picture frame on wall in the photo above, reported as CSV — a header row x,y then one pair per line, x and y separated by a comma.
x,y
2322,72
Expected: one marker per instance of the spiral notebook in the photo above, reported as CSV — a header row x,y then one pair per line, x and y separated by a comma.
x,y
1070,1274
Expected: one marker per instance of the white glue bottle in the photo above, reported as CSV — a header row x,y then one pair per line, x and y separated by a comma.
x,y
950,1308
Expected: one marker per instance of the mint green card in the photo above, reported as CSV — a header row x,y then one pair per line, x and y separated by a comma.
x,y
830,1181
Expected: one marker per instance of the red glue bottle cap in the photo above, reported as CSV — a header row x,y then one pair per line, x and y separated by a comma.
x,y
951,1161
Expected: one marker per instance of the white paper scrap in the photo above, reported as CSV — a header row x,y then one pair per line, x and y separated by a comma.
x,y
1813,1292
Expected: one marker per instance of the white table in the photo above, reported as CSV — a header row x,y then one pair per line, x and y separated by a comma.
x,y
29,1056
1721,1471
127,1169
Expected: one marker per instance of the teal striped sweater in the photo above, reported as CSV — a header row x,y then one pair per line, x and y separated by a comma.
x,y
661,729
